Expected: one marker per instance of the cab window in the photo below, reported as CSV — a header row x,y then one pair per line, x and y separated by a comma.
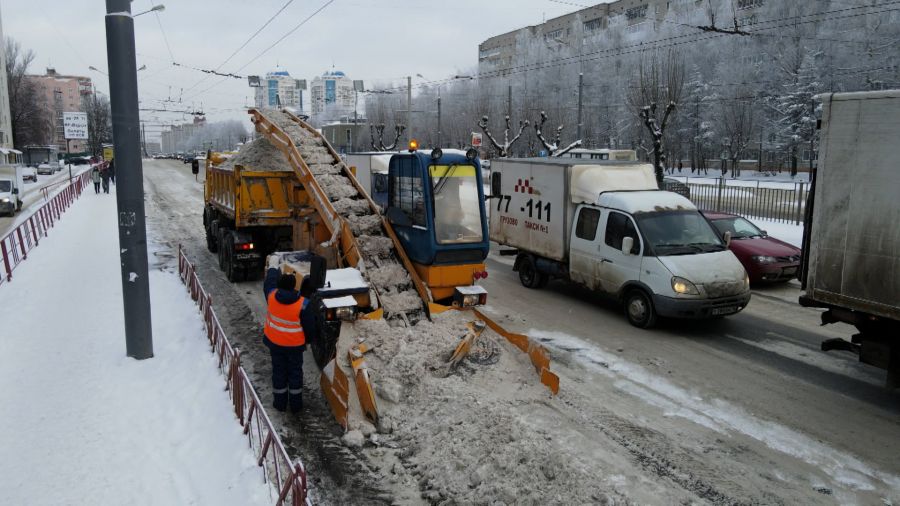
x,y
586,227
618,227
406,190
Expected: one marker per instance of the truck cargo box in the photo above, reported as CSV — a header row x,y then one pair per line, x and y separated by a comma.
x,y
533,200
853,246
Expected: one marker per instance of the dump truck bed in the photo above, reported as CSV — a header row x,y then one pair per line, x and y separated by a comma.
x,y
252,197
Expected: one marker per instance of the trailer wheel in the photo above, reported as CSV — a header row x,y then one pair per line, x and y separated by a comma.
x,y
639,309
529,275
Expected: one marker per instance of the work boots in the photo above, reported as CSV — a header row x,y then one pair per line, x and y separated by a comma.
x,y
296,402
280,400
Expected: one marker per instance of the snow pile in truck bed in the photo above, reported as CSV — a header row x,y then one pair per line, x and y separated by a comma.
x,y
259,155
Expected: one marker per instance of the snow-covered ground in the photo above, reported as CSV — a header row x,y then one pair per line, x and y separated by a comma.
x,y
84,424
787,232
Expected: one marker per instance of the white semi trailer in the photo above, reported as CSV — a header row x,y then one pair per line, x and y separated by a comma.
x,y
851,244
607,226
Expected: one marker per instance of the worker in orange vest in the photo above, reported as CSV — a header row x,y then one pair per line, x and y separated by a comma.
x,y
285,336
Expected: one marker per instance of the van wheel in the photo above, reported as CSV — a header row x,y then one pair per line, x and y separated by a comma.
x,y
639,309
529,275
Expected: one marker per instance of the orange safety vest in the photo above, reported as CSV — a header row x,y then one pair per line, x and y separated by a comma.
x,y
283,322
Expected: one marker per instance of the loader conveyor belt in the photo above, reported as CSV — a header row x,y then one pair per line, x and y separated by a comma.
x,y
365,239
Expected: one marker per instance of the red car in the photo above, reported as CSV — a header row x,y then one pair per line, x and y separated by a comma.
x,y
765,258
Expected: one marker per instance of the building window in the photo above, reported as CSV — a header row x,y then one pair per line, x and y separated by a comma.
x,y
593,25
639,12
554,35
749,4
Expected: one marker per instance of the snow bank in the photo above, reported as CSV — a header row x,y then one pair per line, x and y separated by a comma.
x,y
83,424
787,232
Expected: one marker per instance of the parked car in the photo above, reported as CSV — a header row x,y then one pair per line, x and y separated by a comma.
x,y
676,186
765,258
29,174
45,169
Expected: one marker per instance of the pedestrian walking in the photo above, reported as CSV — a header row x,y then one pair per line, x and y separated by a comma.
x,y
287,323
112,170
95,178
195,169
104,176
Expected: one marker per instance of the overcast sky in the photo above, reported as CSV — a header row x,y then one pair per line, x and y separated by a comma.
x,y
378,41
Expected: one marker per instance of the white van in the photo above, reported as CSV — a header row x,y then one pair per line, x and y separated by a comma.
x,y
607,227
11,188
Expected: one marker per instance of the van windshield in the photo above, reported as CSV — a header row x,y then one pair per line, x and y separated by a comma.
x,y
678,233
457,211
5,186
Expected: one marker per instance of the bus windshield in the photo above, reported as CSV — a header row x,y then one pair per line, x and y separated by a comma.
x,y
457,211
679,233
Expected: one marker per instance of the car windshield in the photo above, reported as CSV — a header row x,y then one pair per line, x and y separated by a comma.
x,y
678,233
739,227
5,186
457,212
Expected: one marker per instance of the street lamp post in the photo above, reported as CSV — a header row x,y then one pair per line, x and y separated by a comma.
x,y
123,93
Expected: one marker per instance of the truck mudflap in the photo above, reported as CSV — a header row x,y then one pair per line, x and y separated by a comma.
x,y
699,308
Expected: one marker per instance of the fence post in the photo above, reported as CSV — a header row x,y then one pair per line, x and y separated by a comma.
x,y
721,189
21,243
6,260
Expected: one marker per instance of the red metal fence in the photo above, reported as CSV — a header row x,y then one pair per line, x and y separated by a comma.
x,y
288,478
14,247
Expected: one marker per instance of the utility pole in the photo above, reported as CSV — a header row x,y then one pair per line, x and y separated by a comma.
x,y
439,144
580,91
130,188
409,129
143,139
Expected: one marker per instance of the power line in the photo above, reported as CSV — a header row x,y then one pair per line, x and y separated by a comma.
x,y
266,50
163,32
236,51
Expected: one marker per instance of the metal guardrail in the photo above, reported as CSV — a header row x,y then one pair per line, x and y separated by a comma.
x,y
286,476
758,201
26,236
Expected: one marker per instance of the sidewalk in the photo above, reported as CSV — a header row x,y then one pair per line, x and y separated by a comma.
x,y
84,424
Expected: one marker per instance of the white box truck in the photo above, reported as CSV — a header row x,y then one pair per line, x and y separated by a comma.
x,y
12,188
371,171
851,244
607,226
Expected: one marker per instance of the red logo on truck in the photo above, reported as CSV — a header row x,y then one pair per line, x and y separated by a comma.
x,y
524,187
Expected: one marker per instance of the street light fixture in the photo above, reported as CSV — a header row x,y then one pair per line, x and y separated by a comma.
x,y
95,69
155,8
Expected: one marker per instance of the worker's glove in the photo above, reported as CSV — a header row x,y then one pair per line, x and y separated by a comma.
x,y
272,262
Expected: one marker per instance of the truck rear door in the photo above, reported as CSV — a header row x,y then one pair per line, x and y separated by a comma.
x,y
615,267
584,248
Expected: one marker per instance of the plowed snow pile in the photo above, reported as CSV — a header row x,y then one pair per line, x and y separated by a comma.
x,y
459,435
259,155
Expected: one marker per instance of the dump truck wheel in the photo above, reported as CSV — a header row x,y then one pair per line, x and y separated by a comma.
x,y
231,272
211,244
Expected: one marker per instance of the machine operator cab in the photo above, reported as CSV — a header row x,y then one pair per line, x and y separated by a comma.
x,y
436,206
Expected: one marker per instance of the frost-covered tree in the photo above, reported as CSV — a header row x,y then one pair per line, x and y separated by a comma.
x,y
657,90
553,148
795,107
503,150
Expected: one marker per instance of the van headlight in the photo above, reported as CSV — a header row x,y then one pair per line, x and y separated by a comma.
x,y
683,287
764,259
5,201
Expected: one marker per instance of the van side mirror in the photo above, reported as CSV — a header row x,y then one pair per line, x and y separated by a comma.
x,y
627,245
15,191
727,238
